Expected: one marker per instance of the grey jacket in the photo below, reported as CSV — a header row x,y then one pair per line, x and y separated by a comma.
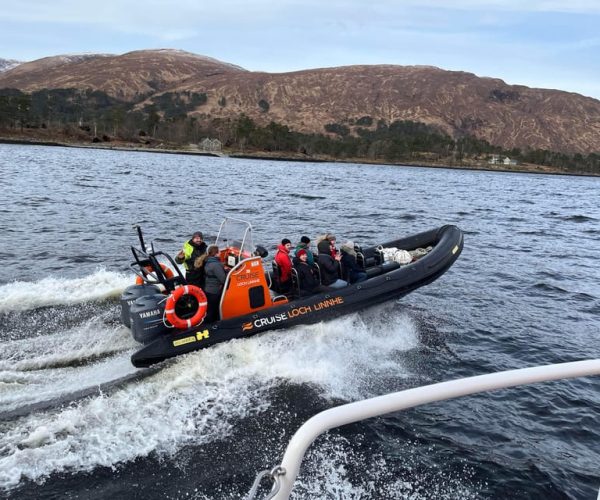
x,y
215,275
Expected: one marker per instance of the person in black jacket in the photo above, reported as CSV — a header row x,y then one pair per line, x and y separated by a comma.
x,y
355,273
329,266
309,284
215,279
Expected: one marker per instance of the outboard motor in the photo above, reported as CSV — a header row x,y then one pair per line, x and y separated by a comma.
x,y
129,296
146,315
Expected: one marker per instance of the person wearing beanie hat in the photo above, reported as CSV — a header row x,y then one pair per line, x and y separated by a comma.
x,y
284,262
189,256
305,245
307,281
328,266
350,267
348,247
331,239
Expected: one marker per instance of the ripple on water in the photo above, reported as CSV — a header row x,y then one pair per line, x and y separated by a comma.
x,y
508,302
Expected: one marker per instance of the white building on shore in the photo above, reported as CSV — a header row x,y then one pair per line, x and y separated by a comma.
x,y
208,144
497,160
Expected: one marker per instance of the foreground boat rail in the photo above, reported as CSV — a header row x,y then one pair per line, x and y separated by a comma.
x,y
285,474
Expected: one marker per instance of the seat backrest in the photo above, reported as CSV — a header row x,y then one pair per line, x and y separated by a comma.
x,y
339,267
379,255
269,278
342,271
360,259
318,271
276,277
295,283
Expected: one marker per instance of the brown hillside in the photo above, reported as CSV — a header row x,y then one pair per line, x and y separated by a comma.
x,y
457,103
124,76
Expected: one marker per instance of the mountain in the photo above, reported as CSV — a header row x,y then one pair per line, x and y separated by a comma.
x,y
6,64
124,76
457,103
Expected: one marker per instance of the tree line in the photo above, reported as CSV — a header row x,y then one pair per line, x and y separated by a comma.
x,y
166,119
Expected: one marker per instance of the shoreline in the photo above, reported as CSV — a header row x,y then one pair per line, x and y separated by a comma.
x,y
295,157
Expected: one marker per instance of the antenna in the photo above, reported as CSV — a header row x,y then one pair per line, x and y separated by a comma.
x,y
140,236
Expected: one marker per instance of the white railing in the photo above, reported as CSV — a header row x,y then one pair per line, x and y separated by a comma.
x,y
285,474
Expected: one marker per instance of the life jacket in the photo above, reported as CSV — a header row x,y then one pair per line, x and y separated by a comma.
x,y
191,253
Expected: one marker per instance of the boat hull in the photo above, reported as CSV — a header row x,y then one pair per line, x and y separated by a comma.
x,y
388,281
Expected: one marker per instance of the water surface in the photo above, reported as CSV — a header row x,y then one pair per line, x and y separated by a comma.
x,y
78,421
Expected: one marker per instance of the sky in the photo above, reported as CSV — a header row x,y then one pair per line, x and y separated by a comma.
x,y
539,43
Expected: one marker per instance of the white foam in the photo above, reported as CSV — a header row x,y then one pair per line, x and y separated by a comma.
x,y
52,291
40,368
201,396
330,471
188,402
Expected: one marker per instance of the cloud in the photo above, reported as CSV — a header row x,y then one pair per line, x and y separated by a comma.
x,y
503,38
524,6
189,18
127,14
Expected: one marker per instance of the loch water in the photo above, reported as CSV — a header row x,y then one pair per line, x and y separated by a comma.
x,y
78,421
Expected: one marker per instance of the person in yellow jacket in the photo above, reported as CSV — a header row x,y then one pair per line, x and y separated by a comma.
x,y
189,257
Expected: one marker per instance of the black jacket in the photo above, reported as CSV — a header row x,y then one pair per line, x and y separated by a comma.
x,y
350,265
308,281
193,275
328,266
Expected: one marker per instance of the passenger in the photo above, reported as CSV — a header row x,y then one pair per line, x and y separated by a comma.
x,y
305,245
328,266
283,260
188,256
309,284
215,279
356,274
331,239
334,251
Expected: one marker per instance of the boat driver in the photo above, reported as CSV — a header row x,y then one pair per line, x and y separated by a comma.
x,y
192,249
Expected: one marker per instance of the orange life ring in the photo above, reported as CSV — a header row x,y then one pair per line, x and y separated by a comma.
x,y
172,299
148,269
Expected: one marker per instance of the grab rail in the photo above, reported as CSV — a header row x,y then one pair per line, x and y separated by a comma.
x,y
360,410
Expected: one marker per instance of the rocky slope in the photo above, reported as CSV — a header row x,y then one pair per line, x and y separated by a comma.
x,y
456,102
6,64
124,76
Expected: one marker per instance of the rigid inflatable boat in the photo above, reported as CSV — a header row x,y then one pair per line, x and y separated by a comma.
x,y
166,314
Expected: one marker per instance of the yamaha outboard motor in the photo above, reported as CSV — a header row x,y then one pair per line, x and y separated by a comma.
x,y
129,296
146,315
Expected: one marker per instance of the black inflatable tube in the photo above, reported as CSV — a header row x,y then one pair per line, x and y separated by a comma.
x,y
391,283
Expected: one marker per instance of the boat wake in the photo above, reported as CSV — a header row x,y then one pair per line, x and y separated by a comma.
x,y
73,397
74,416
48,366
58,337
72,401
54,291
